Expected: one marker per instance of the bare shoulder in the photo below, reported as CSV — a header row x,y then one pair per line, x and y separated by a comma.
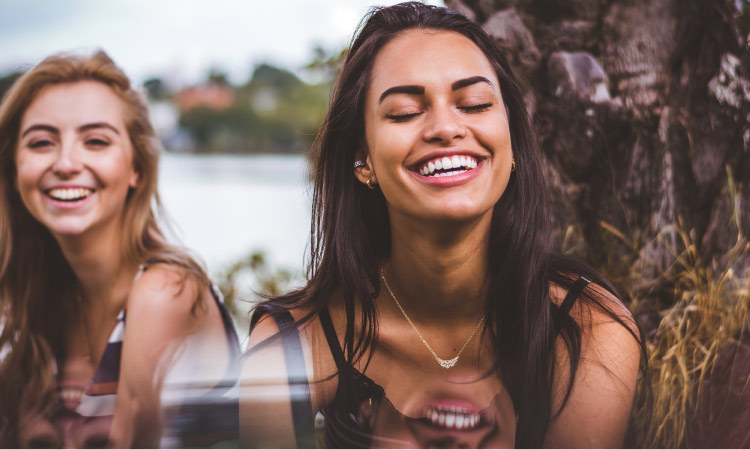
x,y
267,327
266,349
171,294
594,307
270,370
599,402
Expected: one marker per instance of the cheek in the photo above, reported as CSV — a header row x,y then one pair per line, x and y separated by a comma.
x,y
29,172
114,169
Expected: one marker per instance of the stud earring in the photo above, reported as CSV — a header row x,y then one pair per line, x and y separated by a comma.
x,y
359,164
513,165
369,184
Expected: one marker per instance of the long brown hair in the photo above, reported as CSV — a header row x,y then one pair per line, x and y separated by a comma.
x,y
350,233
38,289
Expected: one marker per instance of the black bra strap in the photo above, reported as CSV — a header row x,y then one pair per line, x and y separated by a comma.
x,y
573,294
333,340
299,387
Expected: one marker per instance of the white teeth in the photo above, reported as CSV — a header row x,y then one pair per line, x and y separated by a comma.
x,y
452,417
461,163
69,194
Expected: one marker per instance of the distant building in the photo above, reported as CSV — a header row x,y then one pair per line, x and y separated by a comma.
x,y
219,97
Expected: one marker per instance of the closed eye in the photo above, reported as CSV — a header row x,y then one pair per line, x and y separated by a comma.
x,y
402,117
476,108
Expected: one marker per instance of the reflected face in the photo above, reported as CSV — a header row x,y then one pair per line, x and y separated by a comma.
x,y
436,127
74,159
64,429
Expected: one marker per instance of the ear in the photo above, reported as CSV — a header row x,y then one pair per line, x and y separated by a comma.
x,y
365,172
135,177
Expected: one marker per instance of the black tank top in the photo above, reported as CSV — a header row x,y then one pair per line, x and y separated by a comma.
x,y
347,423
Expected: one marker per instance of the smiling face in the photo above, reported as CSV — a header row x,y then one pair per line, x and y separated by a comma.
x,y
436,128
74,159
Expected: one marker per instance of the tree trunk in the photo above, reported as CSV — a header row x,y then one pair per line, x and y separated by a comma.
x,y
642,110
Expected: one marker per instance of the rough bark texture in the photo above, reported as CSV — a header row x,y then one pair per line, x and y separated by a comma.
x,y
641,107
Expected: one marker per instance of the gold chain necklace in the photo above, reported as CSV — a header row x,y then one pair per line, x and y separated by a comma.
x,y
445,363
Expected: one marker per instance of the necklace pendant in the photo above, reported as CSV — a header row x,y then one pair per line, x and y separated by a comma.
x,y
447,363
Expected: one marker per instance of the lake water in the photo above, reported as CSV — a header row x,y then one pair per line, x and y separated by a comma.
x,y
224,207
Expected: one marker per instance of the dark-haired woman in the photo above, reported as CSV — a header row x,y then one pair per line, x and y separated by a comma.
x,y
436,315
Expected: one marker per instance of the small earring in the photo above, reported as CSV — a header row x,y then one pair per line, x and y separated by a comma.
x,y
369,184
513,165
359,164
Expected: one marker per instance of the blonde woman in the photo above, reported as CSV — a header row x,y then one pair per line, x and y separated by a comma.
x,y
98,311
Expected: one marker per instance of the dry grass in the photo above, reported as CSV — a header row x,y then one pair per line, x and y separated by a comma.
x,y
711,311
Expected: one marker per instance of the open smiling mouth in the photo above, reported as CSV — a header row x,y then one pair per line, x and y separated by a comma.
x,y
447,166
69,194
452,418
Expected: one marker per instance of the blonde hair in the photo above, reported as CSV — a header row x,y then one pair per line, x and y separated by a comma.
x,y
38,289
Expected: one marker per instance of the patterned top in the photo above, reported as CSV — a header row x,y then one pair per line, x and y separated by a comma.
x,y
195,419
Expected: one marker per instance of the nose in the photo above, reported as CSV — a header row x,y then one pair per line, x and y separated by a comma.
x,y
68,162
444,125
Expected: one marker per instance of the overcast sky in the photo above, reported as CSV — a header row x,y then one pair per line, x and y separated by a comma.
x,y
178,39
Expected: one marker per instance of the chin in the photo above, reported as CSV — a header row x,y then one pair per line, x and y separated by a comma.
x,y
460,211
67,228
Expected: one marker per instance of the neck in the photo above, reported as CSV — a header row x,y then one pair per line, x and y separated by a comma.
x,y
105,278
438,270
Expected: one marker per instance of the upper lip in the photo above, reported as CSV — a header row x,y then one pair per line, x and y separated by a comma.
x,y
445,153
69,186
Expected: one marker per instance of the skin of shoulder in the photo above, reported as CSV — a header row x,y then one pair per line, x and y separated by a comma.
x,y
162,316
265,396
597,411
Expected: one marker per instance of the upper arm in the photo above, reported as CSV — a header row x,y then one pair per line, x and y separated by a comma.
x,y
266,418
162,315
597,410
265,400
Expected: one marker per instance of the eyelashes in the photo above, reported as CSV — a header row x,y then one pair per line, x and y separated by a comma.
x,y
40,144
402,117
476,108
467,109
91,142
95,142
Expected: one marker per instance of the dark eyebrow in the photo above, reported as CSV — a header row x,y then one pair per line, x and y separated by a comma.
x,y
411,90
48,128
82,128
460,84
419,90
95,125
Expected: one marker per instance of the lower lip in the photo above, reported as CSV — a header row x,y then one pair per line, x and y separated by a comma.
x,y
68,205
453,180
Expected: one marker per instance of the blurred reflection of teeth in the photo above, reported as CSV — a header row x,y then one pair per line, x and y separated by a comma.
x,y
447,166
452,417
69,194
70,394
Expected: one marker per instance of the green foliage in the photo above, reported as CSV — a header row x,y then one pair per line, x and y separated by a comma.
x,y
6,81
246,281
274,112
